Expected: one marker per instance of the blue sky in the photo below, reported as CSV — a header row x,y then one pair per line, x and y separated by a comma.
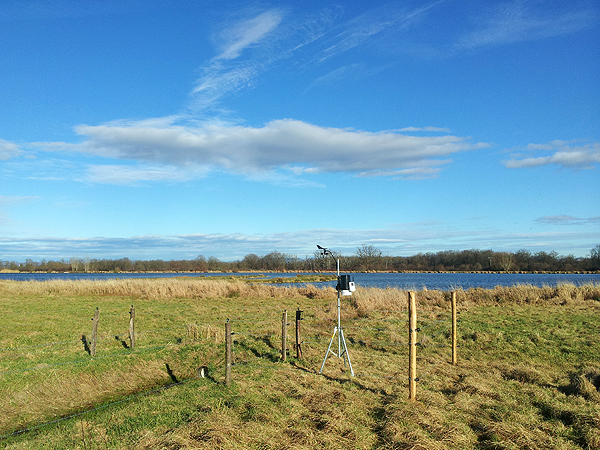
x,y
154,129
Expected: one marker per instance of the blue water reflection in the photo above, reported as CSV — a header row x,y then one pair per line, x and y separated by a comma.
x,y
416,281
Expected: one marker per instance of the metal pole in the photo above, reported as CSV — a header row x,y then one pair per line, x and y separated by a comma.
x,y
339,315
342,347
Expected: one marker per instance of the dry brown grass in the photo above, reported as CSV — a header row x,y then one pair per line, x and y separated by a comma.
x,y
158,288
232,287
395,300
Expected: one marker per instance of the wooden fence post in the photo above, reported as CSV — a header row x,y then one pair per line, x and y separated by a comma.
x,y
298,344
412,346
94,332
454,335
228,352
284,335
132,326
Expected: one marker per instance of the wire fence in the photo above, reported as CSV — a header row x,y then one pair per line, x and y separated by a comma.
x,y
376,339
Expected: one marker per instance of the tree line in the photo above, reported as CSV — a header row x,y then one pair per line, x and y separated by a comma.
x,y
366,258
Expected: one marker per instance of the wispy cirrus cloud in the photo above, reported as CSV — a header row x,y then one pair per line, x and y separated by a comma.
x,y
132,175
7,200
567,154
568,220
222,75
247,33
249,47
516,21
369,26
424,129
292,146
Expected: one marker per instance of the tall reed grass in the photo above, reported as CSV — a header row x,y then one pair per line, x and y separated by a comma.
x,y
158,288
363,298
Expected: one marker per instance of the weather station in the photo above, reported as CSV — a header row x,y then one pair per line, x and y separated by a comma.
x,y
344,287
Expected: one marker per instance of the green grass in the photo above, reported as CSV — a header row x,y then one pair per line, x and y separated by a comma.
x,y
528,373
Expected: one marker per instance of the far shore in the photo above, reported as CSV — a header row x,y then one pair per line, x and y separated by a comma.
x,y
230,272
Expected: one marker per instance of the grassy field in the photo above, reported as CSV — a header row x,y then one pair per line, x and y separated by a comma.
x,y
528,374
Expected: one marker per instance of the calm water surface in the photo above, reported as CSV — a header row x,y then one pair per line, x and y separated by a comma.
x,y
417,281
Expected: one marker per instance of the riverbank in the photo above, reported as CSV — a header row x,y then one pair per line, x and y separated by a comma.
x,y
234,272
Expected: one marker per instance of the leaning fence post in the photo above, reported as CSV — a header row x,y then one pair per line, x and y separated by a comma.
x,y
228,352
132,326
412,346
94,332
454,331
284,335
298,345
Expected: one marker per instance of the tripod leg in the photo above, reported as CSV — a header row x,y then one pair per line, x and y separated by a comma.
x,y
347,355
328,349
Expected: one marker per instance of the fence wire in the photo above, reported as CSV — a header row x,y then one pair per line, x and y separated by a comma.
x,y
247,327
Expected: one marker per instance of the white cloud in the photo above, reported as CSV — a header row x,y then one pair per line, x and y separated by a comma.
x,y
563,153
282,145
8,150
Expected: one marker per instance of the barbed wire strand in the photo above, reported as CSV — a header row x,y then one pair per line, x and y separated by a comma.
x,y
429,338
91,359
422,327
39,345
432,368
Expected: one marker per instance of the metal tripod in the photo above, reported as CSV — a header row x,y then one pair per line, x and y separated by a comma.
x,y
342,348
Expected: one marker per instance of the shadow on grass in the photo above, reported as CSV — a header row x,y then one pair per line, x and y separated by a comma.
x,y
122,341
86,344
171,374
270,356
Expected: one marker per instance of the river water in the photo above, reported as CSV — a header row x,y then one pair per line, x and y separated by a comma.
x,y
416,281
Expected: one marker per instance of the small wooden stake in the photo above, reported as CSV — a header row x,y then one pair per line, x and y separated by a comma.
x,y
454,335
412,346
228,352
94,332
132,326
298,344
284,335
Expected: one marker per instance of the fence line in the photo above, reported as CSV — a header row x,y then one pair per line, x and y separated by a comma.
x,y
178,342
230,363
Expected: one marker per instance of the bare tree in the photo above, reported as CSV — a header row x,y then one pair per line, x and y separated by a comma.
x,y
506,261
368,255
595,256
75,264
